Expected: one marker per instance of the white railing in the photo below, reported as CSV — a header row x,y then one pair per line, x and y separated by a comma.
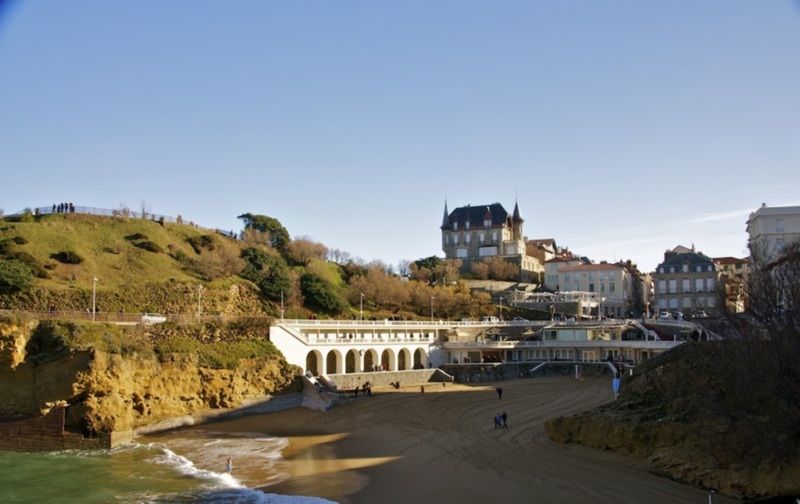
x,y
654,345
445,323
369,339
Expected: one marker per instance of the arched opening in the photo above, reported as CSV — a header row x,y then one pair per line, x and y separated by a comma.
x,y
352,362
333,363
404,360
314,362
387,360
420,359
370,360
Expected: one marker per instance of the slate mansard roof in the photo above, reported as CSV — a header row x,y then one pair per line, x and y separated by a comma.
x,y
692,259
475,215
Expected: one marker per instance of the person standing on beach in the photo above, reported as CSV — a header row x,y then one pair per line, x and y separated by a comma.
x,y
499,392
497,421
229,465
504,417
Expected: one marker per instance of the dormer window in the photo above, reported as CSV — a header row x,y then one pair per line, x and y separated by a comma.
x,y
467,226
699,269
487,222
710,268
455,226
685,268
672,270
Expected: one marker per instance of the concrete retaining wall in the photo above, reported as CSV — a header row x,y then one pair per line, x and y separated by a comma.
x,y
352,380
45,433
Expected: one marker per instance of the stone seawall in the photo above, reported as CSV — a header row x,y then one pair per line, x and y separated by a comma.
x,y
46,433
352,380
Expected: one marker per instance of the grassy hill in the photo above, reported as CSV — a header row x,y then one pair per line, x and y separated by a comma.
x,y
140,265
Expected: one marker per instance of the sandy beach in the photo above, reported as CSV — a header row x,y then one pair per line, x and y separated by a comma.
x,y
401,446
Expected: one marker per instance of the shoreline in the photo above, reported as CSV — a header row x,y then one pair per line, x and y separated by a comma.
x,y
402,445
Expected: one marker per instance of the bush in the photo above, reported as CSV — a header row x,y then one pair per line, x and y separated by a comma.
x,y
150,246
218,355
320,295
202,242
14,276
36,267
136,237
20,240
67,257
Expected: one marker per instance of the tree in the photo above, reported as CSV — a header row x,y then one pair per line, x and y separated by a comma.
x,y
278,235
319,294
302,250
14,276
267,270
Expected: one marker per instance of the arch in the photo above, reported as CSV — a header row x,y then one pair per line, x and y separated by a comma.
x,y
420,359
370,360
314,362
388,360
333,362
352,361
403,359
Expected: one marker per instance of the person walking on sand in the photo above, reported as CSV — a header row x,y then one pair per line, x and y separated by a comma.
x,y
504,417
229,465
499,392
422,389
497,421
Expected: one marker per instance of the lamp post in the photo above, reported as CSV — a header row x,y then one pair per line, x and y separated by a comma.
x,y
94,297
199,299
432,298
283,311
361,308
501,307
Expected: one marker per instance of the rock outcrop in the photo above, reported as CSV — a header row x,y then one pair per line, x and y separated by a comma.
x,y
108,392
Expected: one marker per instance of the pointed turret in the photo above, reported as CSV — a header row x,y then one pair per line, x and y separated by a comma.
x,y
517,217
446,218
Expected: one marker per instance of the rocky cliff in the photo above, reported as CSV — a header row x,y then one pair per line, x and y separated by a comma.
x,y
112,387
717,415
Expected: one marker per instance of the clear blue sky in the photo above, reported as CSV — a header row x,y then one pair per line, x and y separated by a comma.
x,y
623,127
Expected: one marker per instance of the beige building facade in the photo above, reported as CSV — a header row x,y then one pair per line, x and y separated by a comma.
x,y
770,229
477,233
612,283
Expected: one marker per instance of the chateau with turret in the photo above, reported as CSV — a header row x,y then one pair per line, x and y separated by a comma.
x,y
479,233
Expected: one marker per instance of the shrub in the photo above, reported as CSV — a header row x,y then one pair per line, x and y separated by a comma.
x,y
36,267
136,237
202,242
319,294
14,276
20,240
150,246
67,257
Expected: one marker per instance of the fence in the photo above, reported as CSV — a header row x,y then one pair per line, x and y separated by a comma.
x,y
128,318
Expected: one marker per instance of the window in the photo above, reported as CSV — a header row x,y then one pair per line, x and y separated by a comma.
x,y
494,236
687,302
673,286
487,223
455,239
591,287
611,287
468,237
698,284
685,268
686,285
699,269
480,236
462,252
662,286
662,303
710,284
779,225
447,238
467,225
672,270
710,268
711,302
602,287
673,303
455,226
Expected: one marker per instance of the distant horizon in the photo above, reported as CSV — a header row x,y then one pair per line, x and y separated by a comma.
x,y
622,129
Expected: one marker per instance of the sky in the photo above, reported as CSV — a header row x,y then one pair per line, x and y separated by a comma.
x,y
622,128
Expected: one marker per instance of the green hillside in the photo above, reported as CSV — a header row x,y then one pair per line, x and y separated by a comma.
x,y
133,259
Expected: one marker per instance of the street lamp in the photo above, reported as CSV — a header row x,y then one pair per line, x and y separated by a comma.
x,y
94,297
199,299
361,308
501,307
432,298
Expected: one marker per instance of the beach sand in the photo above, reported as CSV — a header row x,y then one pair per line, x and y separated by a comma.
x,y
403,446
